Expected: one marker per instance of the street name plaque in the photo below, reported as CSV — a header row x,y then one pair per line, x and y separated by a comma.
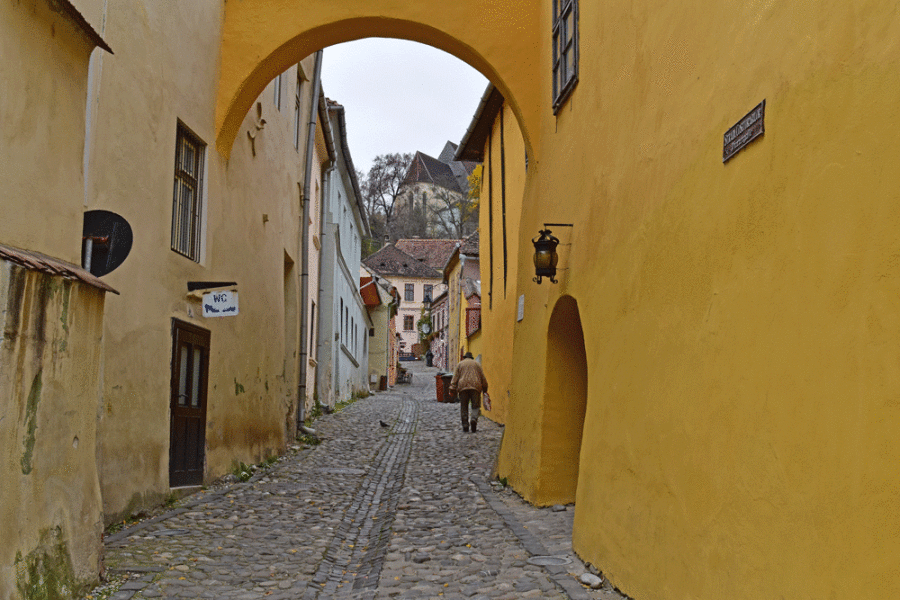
x,y
744,131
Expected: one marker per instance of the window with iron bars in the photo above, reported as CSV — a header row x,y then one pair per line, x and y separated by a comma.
x,y
565,50
187,199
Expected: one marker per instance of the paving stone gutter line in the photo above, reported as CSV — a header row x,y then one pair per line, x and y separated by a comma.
x,y
558,573
369,538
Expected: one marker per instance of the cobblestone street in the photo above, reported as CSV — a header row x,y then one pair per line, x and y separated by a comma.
x,y
402,511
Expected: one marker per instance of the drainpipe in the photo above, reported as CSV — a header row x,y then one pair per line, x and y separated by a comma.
x,y
304,242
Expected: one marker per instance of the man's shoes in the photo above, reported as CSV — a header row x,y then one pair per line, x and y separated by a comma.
x,y
474,426
466,427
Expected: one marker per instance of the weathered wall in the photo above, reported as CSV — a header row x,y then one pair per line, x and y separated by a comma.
x,y
50,362
43,76
166,72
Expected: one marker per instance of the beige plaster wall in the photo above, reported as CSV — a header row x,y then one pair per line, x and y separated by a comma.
x,y
167,72
43,76
50,363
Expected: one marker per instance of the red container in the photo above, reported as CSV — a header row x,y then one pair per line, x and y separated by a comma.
x,y
442,386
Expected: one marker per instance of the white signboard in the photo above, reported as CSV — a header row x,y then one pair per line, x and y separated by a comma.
x,y
220,304
521,308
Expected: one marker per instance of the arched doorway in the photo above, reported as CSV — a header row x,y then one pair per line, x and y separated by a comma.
x,y
261,39
565,403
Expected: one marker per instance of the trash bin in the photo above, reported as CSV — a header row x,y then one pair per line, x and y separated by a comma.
x,y
442,386
429,357
382,384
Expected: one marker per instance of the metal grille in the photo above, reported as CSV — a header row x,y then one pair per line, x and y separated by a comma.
x,y
187,200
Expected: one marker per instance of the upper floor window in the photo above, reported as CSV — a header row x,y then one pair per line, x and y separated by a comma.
x,y
278,92
410,292
565,50
187,198
297,111
409,322
429,290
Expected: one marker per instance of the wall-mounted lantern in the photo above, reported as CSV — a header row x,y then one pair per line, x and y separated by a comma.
x,y
545,256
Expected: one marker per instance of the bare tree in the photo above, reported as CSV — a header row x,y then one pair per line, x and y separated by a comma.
x,y
380,189
454,215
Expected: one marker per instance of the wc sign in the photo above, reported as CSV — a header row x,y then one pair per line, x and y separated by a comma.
x,y
220,304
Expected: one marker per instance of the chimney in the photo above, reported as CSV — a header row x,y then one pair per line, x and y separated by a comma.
x,y
387,240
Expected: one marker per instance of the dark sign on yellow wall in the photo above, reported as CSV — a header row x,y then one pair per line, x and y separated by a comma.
x,y
745,131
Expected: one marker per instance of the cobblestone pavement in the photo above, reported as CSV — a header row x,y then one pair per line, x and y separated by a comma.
x,y
402,511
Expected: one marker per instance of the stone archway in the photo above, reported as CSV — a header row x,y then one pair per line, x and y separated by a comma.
x,y
565,404
262,38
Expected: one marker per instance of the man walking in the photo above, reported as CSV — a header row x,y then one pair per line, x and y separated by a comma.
x,y
469,381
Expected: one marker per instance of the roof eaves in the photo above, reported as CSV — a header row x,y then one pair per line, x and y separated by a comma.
x,y
472,145
68,9
35,261
348,160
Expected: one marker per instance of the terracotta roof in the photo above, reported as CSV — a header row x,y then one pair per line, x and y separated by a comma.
x,y
36,261
369,292
433,253
392,261
470,245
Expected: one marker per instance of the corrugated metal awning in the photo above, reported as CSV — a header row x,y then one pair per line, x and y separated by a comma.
x,y
36,261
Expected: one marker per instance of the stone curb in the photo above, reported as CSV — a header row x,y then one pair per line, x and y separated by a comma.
x,y
558,574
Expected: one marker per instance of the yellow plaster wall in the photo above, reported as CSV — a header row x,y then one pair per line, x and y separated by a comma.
x,y
499,300
262,37
50,363
740,319
43,76
168,72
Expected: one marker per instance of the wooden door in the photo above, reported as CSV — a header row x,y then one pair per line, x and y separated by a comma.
x,y
190,370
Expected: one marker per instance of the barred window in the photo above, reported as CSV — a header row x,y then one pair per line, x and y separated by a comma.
x,y
565,50
408,322
187,200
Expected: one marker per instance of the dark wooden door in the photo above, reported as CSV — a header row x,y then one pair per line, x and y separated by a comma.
x,y
190,370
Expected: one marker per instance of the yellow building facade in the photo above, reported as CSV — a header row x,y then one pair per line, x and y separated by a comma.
x,y
738,372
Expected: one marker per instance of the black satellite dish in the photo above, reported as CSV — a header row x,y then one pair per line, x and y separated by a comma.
x,y
107,241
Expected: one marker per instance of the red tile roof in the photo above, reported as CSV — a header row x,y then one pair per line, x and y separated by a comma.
x,y
470,245
433,253
36,261
369,292
392,261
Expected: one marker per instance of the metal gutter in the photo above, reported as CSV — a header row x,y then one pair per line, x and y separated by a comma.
x,y
304,243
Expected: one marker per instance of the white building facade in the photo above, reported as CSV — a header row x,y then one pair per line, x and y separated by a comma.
x,y
344,323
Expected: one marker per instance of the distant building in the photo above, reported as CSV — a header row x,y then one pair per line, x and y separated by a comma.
x,y
433,200
344,324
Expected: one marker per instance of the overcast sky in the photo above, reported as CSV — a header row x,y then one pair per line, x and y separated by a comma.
x,y
400,96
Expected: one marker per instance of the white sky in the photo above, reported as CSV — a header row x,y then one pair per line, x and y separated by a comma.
x,y
400,96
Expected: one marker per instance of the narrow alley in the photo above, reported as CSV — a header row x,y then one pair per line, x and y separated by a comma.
x,y
404,510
